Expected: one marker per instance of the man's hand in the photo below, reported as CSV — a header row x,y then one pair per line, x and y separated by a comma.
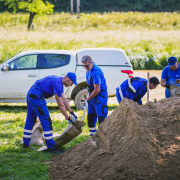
x,y
86,102
73,116
167,85
69,120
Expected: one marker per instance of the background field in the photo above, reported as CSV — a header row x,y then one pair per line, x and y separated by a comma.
x,y
148,38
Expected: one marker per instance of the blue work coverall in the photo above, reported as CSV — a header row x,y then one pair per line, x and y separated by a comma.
x,y
170,76
133,88
97,107
36,106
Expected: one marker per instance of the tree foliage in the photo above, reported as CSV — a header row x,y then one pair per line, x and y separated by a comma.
x,y
37,6
33,7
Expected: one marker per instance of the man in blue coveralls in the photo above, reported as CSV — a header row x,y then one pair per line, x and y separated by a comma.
x,y
169,75
98,95
36,106
135,88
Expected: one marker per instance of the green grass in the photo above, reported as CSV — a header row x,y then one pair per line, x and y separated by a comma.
x,y
114,20
151,37
20,164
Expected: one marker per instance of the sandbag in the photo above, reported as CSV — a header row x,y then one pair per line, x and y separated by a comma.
x,y
37,135
175,91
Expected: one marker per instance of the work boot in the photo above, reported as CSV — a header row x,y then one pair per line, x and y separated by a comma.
x,y
29,147
54,150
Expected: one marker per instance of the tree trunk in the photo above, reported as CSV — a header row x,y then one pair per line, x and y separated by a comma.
x,y
78,8
71,7
31,17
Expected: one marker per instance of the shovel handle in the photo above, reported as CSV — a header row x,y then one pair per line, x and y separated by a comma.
x,y
84,112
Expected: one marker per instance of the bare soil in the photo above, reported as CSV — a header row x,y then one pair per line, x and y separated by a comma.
x,y
135,142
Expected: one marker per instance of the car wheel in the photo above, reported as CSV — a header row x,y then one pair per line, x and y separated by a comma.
x,y
80,98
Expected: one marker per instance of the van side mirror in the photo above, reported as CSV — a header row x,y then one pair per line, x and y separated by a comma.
x,y
5,67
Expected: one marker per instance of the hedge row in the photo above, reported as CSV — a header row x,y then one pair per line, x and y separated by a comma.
x,y
150,61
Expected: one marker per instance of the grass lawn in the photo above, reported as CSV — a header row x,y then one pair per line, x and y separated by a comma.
x,y
17,163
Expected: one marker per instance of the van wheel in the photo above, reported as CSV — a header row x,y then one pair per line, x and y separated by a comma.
x,y
80,98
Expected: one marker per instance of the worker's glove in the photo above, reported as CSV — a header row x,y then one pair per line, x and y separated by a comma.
x,y
70,121
167,85
73,116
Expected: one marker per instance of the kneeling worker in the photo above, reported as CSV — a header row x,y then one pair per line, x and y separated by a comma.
x,y
36,106
135,88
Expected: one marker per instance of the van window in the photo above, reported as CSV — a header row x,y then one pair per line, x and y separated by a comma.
x,y
24,62
55,60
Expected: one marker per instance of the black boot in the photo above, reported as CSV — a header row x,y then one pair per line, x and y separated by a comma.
x,y
54,150
29,147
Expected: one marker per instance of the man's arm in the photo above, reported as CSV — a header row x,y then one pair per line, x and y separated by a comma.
x,y
61,106
163,82
66,103
95,92
164,77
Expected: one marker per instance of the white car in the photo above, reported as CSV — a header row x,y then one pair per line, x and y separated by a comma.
x,y
20,72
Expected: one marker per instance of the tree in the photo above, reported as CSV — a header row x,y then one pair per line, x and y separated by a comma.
x,y
71,7
34,7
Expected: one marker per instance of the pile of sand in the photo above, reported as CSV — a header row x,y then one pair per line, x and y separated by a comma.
x,y
134,142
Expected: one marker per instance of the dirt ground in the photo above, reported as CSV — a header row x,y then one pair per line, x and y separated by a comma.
x,y
135,142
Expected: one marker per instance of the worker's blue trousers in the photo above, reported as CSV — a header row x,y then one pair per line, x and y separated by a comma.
x,y
36,106
96,109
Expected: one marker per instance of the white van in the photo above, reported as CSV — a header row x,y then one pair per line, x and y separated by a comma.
x,y
19,73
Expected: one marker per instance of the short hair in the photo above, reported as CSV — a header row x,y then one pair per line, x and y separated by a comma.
x,y
154,80
86,59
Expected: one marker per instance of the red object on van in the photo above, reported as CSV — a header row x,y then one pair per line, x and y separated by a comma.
x,y
129,72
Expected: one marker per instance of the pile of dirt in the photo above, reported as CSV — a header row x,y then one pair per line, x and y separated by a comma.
x,y
134,142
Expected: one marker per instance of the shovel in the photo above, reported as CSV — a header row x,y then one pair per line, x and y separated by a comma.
x,y
73,130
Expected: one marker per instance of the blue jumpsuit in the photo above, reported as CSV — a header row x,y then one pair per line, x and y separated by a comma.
x,y
97,107
133,88
36,106
170,76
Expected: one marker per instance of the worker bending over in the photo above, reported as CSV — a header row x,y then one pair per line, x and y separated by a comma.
x,y
170,74
36,106
135,88
98,95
